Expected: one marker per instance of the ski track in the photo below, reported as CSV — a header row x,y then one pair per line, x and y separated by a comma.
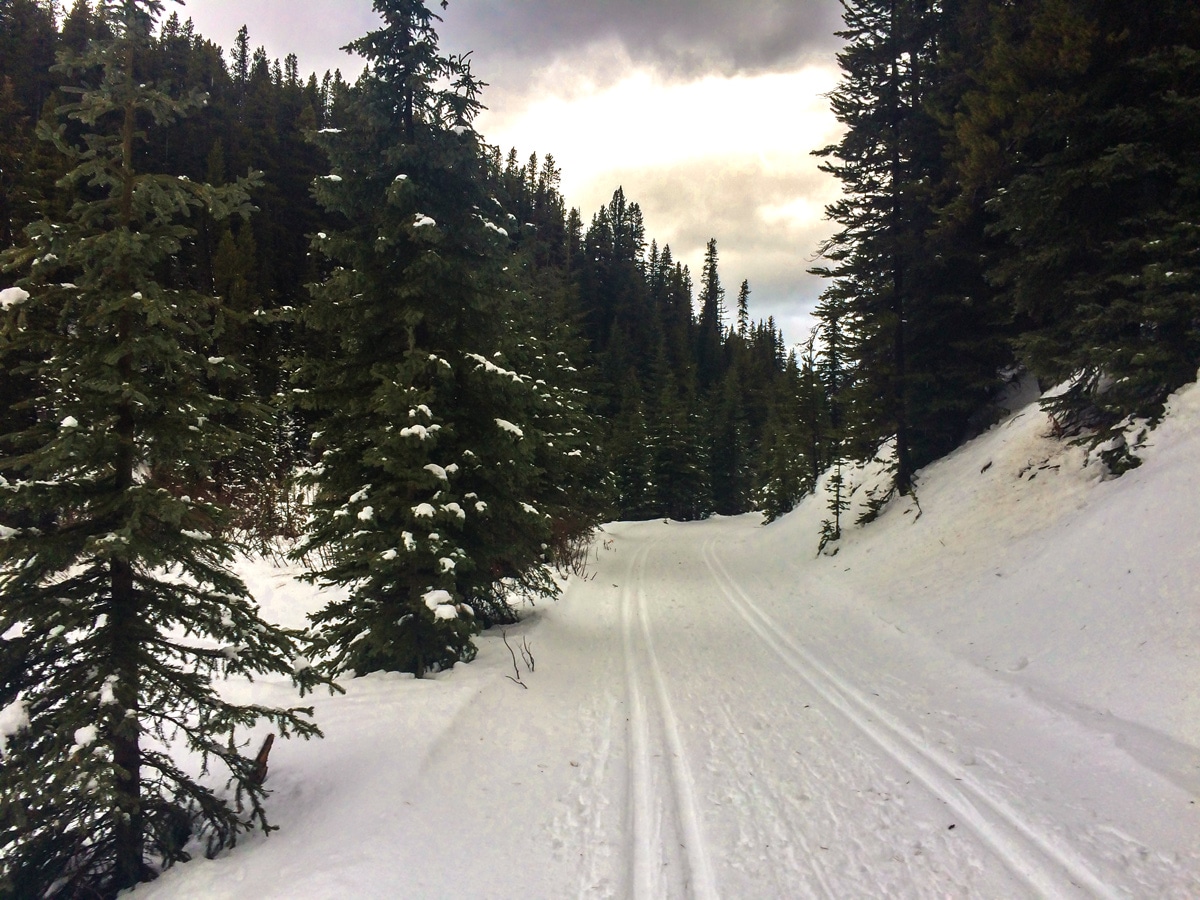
x,y
649,815
742,757
1049,869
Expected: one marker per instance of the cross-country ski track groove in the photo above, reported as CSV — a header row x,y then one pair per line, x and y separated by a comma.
x,y
1049,869
647,810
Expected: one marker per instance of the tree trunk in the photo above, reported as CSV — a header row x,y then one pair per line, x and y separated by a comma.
x,y
125,615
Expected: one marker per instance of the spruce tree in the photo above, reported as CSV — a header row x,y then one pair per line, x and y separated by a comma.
x,y
430,441
681,468
793,446
729,435
902,313
631,456
710,330
118,606
1100,209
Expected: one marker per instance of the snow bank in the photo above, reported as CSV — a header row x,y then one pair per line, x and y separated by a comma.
x,y
1023,560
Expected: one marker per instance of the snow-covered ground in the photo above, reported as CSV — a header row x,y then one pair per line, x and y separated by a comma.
x,y
995,696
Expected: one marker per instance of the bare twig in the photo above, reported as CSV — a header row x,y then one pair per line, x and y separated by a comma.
x,y
526,653
517,680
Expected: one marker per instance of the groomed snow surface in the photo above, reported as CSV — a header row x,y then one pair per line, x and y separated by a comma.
x,y
998,697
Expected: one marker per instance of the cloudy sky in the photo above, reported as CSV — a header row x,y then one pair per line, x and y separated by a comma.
x,y
703,110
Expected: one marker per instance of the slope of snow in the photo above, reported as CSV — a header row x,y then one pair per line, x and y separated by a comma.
x,y
994,695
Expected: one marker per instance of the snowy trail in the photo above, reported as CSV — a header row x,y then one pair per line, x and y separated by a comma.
x,y
984,703
1048,868
688,734
784,805
678,820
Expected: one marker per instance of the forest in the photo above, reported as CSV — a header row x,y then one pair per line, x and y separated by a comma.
x,y
248,310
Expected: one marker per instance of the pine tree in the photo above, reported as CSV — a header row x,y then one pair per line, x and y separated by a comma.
x,y
831,368
793,448
429,439
729,433
710,337
28,40
631,456
681,468
241,61
743,309
900,314
1100,211
118,602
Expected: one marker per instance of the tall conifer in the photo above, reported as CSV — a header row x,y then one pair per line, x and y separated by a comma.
x,y
1101,205
117,602
432,439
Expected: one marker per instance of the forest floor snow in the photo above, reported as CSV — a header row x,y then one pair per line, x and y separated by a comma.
x,y
994,695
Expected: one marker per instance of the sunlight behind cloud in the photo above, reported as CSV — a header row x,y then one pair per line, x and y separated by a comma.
x,y
799,212
593,124
725,157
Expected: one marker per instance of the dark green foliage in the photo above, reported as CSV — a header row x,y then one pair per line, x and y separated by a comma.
x,y
631,455
446,423
687,396
28,41
710,329
1020,191
118,602
837,501
730,462
881,160
792,457
680,474
1100,211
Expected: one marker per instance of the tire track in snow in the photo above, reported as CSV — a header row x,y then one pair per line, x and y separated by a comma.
x,y
698,880
1050,869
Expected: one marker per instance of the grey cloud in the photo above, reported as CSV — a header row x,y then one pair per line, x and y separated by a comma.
x,y
513,38
314,30
681,37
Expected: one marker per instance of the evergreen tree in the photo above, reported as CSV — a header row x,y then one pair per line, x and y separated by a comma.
x,y
729,433
431,443
743,309
922,358
28,40
792,455
831,368
631,456
27,45
681,468
241,61
1100,209
118,602
710,330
